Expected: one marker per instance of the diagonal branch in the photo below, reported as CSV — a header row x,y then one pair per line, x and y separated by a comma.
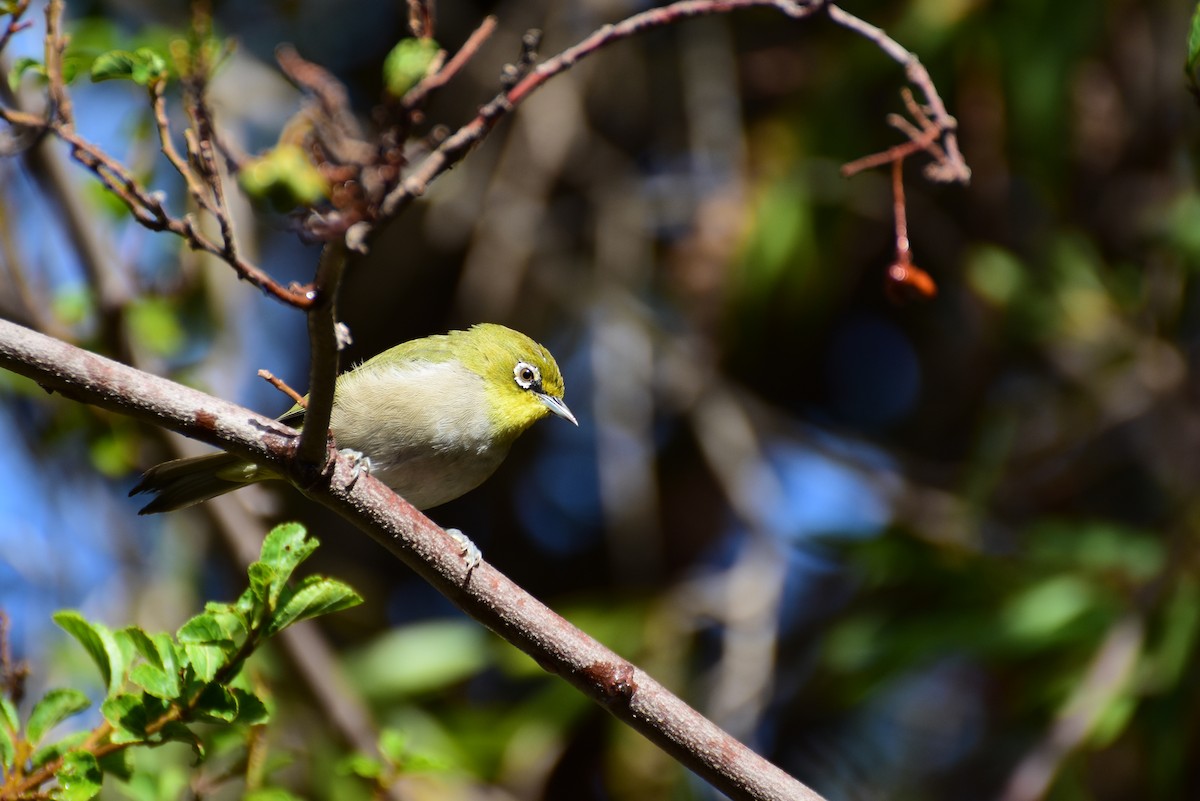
x,y
483,592
455,147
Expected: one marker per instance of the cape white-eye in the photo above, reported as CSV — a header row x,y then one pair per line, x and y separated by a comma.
x,y
435,417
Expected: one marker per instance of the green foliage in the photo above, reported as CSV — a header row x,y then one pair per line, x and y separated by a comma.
x,y
284,177
1053,607
79,777
100,644
143,66
434,655
1193,50
154,324
71,67
152,55
54,707
21,66
407,64
398,756
159,686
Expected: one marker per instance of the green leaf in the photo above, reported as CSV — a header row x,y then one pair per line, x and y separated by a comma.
x,y
80,777
205,659
8,750
246,604
53,751
71,68
419,658
142,643
315,596
179,732
229,619
251,709
394,745
284,177
167,652
1047,606
143,66
283,550
154,324
269,794
117,763
155,681
8,714
130,715
159,674
362,766
262,577
21,66
212,628
216,703
113,453
100,644
407,64
1193,44
54,707
113,65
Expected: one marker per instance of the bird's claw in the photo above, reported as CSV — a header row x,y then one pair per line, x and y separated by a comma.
x,y
360,464
470,551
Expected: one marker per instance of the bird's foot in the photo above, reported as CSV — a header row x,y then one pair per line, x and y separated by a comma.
x,y
470,551
360,464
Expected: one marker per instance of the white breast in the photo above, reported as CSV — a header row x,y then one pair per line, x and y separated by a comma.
x,y
425,427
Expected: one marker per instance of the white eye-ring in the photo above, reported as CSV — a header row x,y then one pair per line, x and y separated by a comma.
x,y
526,375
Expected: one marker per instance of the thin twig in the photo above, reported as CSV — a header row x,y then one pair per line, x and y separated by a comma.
x,y
457,145
900,213
147,209
145,206
56,44
417,95
953,168
905,281
283,387
195,85
12,673
334,102
158,105
15,24
925,137
421,18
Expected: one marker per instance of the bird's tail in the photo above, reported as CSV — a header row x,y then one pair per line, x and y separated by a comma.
x,y
184,482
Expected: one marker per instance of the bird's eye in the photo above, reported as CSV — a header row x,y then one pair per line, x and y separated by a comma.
x,y
526,375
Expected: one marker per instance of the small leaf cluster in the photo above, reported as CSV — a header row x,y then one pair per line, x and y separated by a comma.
x,y
284,177
164,56
407,64
397,758
159,686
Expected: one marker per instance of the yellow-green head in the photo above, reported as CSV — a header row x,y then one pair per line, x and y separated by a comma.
x,y
521,380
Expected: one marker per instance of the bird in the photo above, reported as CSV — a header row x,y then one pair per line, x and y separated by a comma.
x,y
432,418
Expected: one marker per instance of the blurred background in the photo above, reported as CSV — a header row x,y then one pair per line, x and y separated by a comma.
x,y
936,550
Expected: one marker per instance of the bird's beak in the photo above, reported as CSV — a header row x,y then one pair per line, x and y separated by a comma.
x,y
557,406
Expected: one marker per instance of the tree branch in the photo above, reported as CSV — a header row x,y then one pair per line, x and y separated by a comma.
x,y
457,145
483,592
325,343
